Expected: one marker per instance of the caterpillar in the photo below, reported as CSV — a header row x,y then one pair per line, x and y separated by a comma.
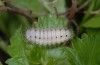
x,y
48,36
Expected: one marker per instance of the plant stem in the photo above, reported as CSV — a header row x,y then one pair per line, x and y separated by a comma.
x,y
17,12
84,4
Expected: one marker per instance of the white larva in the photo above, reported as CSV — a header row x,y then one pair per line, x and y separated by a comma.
x,y
48,36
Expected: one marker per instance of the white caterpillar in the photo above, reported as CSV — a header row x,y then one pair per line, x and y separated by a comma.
x,y
48,36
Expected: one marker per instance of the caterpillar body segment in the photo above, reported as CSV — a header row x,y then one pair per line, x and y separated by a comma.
x,y
48,36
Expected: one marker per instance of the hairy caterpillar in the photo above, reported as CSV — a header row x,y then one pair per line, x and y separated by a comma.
x,y
48,36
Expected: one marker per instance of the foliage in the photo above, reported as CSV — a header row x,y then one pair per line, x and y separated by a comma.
x,y
93,6
92,23
26,54
0,63
37,5
83,51
10,22
50,21
34,54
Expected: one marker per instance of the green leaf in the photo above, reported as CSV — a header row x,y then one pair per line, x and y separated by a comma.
x,y
16,61
9,23
60,5
17,50
34,5
47,56
92,31
3,18
84,51
41,6
3,45
23,53
15,23
92,6
80,2
1,3
92,23
50,21
1,63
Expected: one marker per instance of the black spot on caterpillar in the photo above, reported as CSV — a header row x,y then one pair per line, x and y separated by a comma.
x,y
48,36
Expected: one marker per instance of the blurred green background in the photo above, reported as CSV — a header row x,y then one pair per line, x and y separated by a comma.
x,y
88,23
